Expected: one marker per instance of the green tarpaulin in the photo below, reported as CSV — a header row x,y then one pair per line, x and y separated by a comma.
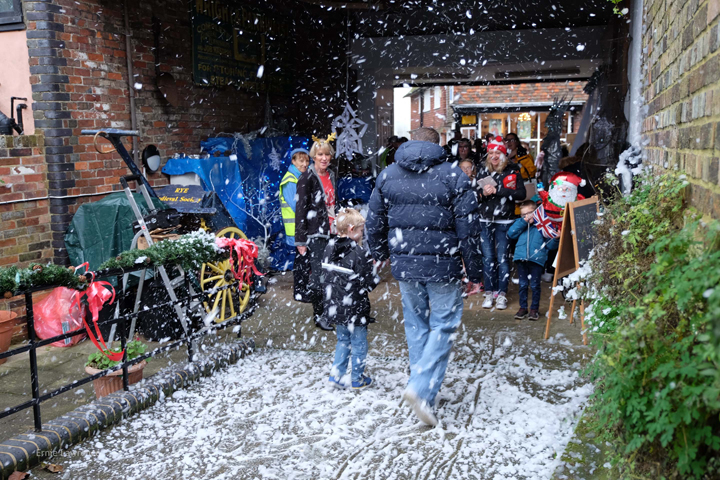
x,y
103,229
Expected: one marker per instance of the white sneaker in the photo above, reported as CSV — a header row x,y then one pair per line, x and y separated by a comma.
x,y
501,302
546,277
420,408
488,303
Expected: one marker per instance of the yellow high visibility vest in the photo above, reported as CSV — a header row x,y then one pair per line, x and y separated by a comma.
x,y
288,215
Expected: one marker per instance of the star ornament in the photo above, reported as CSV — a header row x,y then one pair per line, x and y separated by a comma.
x,y
350,140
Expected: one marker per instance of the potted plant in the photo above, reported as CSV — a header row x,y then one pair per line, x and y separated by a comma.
x,y
7,323
112,382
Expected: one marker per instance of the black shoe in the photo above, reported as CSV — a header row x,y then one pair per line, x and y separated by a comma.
x,y
323,325
522,313
534,315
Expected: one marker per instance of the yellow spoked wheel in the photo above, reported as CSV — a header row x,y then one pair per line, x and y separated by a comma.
x,y
229,302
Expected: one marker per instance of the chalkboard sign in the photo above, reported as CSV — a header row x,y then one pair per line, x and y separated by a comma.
x,y
576,243
582,216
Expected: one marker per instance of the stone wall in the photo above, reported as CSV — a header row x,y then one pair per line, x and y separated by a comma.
x,y
682,93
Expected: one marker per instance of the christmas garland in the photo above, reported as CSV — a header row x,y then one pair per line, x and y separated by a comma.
x,y
189,251
13,279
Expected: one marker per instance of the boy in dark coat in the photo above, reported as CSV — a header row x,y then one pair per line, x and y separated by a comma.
x,y
531,253
349,276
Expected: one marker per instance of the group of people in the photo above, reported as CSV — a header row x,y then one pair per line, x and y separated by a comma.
x,y
436,225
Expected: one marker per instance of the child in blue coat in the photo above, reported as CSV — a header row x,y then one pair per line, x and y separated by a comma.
x,y
531,253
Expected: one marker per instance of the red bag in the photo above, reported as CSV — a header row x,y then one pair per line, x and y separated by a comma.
x,y
56,314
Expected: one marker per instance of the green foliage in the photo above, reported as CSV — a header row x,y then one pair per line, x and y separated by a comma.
x,y
13,279
98,360
189,251
656,318
616,10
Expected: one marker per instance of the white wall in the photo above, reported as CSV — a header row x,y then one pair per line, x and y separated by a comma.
x,y
401,112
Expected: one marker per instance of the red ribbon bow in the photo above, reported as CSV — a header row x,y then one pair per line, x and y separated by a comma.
x,y
97,295
246,252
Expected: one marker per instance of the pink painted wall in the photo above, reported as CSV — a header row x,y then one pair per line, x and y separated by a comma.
x,y
15,74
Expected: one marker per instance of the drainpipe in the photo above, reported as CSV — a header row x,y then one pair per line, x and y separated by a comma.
x,y
131,84
422,107
635,74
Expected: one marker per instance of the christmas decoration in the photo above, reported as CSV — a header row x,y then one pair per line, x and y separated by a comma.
x,y
97,295
189,251
350,139
246,252
562,190
13,279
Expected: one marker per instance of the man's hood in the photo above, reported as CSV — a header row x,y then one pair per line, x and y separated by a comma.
x,y
419,156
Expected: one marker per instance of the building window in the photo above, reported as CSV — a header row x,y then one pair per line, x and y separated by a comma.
x,y
438,97
11,17
427,98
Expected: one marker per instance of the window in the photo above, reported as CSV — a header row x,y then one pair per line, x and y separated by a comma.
x,y
11,17
438,97
426,100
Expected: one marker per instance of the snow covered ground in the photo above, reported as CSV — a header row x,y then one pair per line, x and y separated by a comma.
x,y
507,410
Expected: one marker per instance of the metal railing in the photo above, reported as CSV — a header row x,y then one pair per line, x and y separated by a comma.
x,y
187,338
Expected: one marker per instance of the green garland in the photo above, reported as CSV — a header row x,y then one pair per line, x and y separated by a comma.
x,y
189,251
13,279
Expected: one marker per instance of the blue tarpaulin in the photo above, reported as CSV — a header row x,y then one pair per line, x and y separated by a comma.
x,y
247,185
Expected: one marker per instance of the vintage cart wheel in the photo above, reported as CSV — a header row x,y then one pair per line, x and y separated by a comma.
x,y
230,301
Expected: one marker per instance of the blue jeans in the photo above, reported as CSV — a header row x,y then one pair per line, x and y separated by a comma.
x,y
350,338
432,312
496,258
527,269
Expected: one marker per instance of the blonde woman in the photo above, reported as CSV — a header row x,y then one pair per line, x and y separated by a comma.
x,y
315,218
501,185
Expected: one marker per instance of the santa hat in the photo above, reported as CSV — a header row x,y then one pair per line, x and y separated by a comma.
x,y
567,179
497,144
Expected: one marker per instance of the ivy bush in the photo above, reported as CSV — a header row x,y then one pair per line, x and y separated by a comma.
x,y
655,320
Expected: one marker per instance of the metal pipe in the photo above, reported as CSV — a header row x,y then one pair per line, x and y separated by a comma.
x,y
131,83
52,197
635,74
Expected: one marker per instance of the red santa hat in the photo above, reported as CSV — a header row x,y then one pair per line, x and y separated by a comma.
x,y
497,144
567,179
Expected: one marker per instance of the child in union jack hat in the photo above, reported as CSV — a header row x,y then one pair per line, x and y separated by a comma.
x,y
531,253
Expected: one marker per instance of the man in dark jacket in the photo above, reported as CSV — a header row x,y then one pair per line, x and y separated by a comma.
x,y
420,213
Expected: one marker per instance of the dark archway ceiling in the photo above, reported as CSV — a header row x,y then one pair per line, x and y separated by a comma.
x,y
381,18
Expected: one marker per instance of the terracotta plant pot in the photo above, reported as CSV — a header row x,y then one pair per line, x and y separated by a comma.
x,y
113,382
6,330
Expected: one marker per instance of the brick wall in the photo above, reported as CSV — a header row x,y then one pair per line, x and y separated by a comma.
x,y
434,117
682,93
491,94
24,225
79,81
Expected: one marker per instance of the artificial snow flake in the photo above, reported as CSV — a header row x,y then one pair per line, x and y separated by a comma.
x,y
350,140
275,159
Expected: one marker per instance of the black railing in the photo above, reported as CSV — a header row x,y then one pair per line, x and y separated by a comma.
x,y
33,343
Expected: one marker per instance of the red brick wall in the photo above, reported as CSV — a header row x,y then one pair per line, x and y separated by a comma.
x,y
436,118
24,225
80,81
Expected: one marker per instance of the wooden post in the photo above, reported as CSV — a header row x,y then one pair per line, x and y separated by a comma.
x,y
582,321
572,311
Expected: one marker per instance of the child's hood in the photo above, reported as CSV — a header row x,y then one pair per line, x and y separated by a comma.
x,y
342,247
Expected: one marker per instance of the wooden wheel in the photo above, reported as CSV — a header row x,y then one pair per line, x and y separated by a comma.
x,y
215,275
